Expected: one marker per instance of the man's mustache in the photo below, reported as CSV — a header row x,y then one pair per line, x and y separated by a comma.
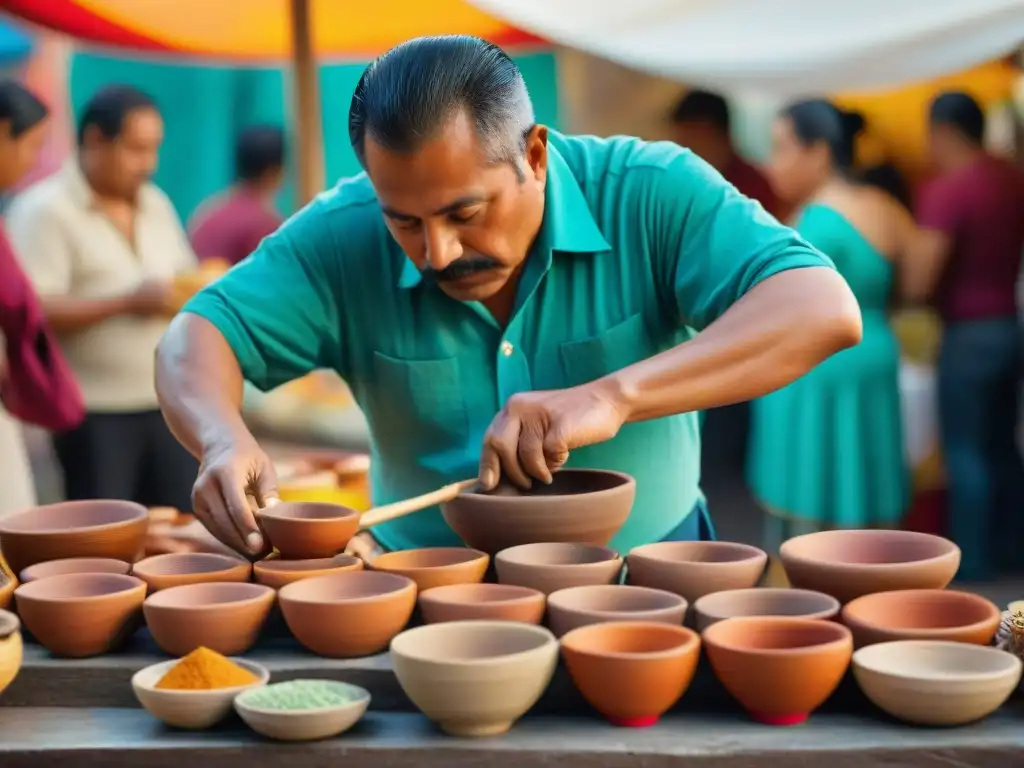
x,y
461,268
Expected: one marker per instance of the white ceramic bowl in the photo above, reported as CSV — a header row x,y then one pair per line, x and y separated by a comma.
x,y
305,724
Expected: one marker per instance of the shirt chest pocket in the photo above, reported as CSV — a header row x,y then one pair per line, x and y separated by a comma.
x,y
611,350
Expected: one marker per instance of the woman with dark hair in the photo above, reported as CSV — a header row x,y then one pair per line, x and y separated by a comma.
x,y
827,451
36,385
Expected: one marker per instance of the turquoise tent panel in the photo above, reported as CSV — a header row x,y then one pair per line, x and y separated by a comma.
x,y
15,44
205,107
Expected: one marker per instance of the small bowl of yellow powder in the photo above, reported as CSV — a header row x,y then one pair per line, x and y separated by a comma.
x,y
303,710
195,691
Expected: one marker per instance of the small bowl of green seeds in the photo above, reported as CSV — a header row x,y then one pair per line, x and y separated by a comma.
x,y
303,710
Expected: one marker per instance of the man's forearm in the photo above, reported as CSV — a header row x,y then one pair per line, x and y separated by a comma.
x,y
65,313
780,330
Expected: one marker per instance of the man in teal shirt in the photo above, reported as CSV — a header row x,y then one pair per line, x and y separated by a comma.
x,y
502,300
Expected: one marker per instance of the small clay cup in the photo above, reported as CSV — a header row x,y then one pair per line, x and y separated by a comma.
x,y
11,648
489,602
798,603
308,530
922,614
81,614
435,566
558,565
277,573
779,668
580,505
692,569
349,614
849,564
74,565
100,528
580,606
225,617
180,568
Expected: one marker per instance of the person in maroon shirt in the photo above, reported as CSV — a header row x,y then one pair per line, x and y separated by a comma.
x,y
230,226
972,221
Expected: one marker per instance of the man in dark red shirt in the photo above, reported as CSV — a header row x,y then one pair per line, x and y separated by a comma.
x,y
972,237
231,225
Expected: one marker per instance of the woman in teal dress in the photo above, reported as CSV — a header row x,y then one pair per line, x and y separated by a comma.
x,y
827,451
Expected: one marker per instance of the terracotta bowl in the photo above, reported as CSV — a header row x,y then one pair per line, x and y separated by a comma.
x,y
475,678
580,606
307,530
494,602
935,682
349,614
922,614
74,565
435,566
551,567
580,505
178,569
779,668
276,573
114,529
225,617
81,614
632,672
10,648
693,569
798,603
848,564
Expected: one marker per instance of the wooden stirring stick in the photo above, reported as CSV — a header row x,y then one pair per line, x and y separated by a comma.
x,y
389,512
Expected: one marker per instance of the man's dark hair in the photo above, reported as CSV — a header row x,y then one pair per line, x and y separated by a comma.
x,y
20,107
960,111
703,107
258,151
108,109
409,94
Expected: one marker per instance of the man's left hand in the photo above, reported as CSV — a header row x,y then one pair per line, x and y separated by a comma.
x,y
535,431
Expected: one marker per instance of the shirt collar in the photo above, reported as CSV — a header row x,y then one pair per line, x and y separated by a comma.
x,y
83,192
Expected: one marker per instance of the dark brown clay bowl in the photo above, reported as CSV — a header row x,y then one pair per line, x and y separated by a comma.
x,y
350,614
180,568
435,566
922,614
489,602
101,528
554,566
580,505
225,617
692,569
798,603
74,565
581,606
81,614
307,530
277,573
848,564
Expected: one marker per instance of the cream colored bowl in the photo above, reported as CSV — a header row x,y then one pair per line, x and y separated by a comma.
x,y
305,724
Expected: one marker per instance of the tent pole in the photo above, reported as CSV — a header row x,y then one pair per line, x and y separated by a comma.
x,y
308,127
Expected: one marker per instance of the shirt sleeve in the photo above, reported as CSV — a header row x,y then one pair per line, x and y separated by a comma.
x,y
939,208
40,243
184,257
278,309
713,244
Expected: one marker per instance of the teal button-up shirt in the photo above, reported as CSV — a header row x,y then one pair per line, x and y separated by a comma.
x,y
642,245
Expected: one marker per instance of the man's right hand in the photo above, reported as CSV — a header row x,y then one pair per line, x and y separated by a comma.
x,y
151,297
236,478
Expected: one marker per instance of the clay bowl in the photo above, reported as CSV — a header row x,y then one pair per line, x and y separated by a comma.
x,y
10,648
922,614
276,573
7,587
580,606
693,569
848,564
493,602
114,529
798,603
74,565
435,566
779,668
225,617
307,530
306,724
349,614
936,682
551,567
632,672
580,505
474,678
81,614
178,569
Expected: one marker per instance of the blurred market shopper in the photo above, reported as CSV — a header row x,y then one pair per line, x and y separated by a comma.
x,y
502,299
101,244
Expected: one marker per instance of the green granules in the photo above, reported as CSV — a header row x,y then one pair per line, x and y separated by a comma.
x,y
298,695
